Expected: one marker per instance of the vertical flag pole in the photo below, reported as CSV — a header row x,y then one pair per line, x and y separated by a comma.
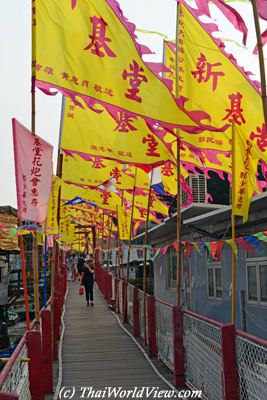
x,y
53,267
102,238
119,241
118,259
109,241
131,223
129,249
261,60
36,281
145,256
86,236
35,240
117,262
178,217
94,244
233,222
24,279
45,271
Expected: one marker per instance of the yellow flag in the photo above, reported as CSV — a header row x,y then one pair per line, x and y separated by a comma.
x,y
141,202
110,68
97,134
40,238
103,199
51,219
206,139
245,160
94,172
124,224
66,230
211,80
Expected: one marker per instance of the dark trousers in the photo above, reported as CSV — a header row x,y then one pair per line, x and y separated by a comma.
x,y
88,286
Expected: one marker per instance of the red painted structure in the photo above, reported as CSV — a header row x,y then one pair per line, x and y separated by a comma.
x,y
41,346
227,343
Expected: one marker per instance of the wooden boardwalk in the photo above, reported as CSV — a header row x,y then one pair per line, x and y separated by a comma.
x,y
98,353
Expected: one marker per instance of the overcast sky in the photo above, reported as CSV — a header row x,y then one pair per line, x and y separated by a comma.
x,y
15,69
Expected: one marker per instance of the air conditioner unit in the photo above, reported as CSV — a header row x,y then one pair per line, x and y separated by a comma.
x,y
198,184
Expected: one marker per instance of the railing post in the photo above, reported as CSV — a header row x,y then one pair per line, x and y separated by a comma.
x,y
106,284
230,376
61,291
56,325
117,298
151,324
109,288
36,366
47,350
136,322
9,396
124,311
178,348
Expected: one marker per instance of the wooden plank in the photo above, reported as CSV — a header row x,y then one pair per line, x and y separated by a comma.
x,y
97,352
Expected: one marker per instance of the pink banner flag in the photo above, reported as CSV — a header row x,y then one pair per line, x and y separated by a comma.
x,y
34,171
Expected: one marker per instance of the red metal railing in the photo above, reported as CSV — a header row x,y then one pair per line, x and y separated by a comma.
x,y
251,354
202,353
34,379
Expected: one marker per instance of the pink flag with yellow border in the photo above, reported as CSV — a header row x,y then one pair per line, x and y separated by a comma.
x,y
34,172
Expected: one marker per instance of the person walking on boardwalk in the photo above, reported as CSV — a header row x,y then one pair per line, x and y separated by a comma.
x,y
80,265
87,279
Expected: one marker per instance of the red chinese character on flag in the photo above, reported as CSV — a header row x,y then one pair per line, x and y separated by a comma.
x,y
153,198
98,163
35,181
105,196
142,212
36,162
124,123
152,145
36,171
34,191
136,78
234,113
167,169
115,173
260,136
34,202
204,71
49,70
64,75
98,44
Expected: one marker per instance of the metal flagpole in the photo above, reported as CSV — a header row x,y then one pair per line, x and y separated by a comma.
x,y
53,269
102,237
109,241
178,217
35,240
118,260
129,249
145,256
24,279
45,270
233,223
36,281
55,250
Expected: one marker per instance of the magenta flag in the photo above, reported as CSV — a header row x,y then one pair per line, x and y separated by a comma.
x,y
34,171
